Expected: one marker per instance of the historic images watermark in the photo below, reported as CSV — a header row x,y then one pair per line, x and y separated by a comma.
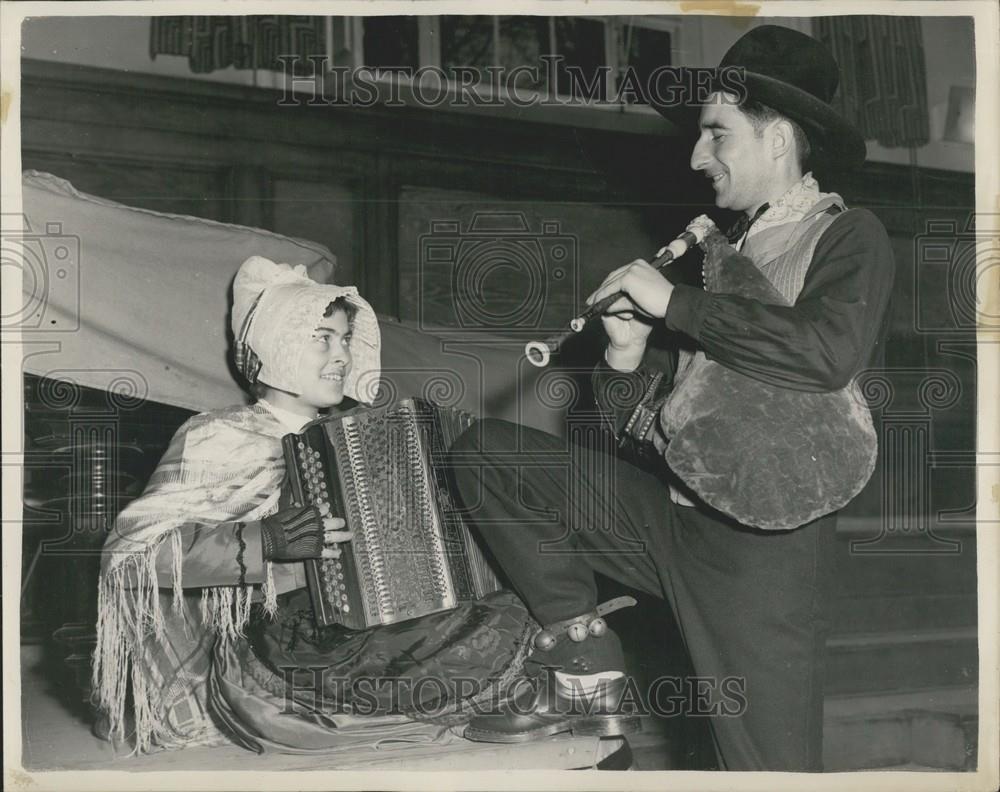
x,y
499,273
49,263
956,265
927,412
431,696
551,82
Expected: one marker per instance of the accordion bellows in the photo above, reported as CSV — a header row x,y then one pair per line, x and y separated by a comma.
x,y
384,470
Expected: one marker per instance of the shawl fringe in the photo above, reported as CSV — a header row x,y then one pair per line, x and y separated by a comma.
x,y
129,614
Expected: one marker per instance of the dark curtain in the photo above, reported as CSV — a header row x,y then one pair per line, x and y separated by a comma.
x,y
245,42
883,85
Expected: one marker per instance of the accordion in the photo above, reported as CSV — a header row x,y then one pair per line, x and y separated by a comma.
x,y
383,470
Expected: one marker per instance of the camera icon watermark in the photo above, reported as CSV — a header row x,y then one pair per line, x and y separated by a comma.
x,y
497,275
957,277
49,266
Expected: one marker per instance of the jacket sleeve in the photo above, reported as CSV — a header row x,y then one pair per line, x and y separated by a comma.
x,y
226,554
199,509
823,340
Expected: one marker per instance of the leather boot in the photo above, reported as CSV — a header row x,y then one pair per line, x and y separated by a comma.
x,y
548,704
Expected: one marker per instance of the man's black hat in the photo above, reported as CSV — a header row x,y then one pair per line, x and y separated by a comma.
x,y
795,75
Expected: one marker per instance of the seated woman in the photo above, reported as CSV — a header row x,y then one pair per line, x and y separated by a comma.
x,y
205,626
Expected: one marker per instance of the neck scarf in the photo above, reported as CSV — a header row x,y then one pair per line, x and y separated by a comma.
x,y
741,226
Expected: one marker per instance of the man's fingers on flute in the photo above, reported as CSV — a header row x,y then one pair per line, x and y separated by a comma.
x,y
612,283
623,308
610,286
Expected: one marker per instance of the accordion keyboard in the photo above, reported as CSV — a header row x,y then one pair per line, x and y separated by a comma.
x,y
385,471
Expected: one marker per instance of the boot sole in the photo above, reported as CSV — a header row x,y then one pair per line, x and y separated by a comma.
x,y
580,727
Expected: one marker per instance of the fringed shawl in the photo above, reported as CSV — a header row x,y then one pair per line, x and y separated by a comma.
x,y
221,466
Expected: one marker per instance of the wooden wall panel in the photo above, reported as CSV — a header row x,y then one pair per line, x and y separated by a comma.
x,y
147,185
325,211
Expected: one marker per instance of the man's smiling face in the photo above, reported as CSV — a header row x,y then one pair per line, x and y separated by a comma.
x,y
732,156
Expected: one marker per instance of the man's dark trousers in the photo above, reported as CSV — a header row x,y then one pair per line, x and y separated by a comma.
x,y
750,604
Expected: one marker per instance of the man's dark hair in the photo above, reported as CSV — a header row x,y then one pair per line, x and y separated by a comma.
x,y
760,115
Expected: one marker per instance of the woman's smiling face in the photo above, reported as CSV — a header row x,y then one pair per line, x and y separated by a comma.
x,y
325,362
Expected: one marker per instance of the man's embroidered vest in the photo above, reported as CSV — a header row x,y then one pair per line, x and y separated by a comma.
x,y
784,254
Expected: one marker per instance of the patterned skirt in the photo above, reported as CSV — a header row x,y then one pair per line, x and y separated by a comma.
x,y
292,686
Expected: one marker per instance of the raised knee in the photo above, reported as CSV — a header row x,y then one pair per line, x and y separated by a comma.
x,y
483,435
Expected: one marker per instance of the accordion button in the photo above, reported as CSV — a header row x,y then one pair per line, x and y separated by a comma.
x,y
347,609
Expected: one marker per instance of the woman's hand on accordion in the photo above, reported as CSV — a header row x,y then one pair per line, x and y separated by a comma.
x,y
302,532
334,532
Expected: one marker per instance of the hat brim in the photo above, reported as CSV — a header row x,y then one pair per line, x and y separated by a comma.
x,y
833,139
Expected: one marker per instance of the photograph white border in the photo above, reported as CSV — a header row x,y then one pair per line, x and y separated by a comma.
x,y
987,24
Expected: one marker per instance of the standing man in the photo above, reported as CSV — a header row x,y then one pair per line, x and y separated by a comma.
x,y
749,603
